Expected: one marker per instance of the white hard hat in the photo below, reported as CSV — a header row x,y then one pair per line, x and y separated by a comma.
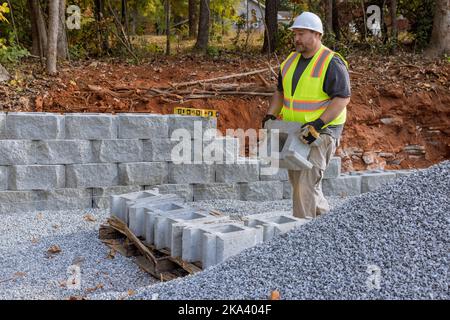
x,y
308,20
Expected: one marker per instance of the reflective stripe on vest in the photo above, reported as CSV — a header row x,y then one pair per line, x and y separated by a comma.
x,y
306,106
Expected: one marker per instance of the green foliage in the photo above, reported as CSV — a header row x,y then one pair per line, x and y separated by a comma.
x,y
213,52
11,54
421,13
285,40
3,9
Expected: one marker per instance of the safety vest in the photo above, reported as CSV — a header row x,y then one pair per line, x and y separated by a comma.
x,y
308,101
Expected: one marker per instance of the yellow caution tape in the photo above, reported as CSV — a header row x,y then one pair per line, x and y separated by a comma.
x,y
196,112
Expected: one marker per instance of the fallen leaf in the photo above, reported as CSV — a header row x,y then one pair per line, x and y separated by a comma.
x,y
39,216
20,274
131,292
89,217
55,226
34,240
54,249
274,295
111,254
98,286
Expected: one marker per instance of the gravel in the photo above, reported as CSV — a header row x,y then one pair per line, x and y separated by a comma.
x,y
28,271
388,244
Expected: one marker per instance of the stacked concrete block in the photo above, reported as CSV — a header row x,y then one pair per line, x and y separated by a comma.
x,y
17,152
403,173
268,173
245,170
90,126
19,201
184,191
34,126
343,186
118,150
36,177
157,149
374,180
143,173
212,191
91,175
274,224
101,196
287,190
262,191
2,125
3,178
142,126
212,244
333,169
65,199
219,150
194,126
63,151
191,173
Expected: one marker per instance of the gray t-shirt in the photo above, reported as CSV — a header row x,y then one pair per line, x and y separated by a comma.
x,y
336,84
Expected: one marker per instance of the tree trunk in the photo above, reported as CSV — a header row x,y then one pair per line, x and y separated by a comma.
x,y
394,28
37,16
203,26
34,31
329,12
336,26
440,36
134,19
99,12
193,15
167,11
53,23
271,26
63,50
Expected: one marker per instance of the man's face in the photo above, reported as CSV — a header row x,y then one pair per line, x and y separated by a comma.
x,y
305,40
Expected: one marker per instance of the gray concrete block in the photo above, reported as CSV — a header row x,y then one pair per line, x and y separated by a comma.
x,y
34,125
372,181
101,196
143,173
3,178
117,150
191,173
91,175
274,225
268,173
343,186
63,151
36,177
90,126
287,190
17,152
119,203
142,126
2,125
219,150
212,191
67,198
243,171
19,201
184,191
261,191
195,126
403,173
333,169
158,149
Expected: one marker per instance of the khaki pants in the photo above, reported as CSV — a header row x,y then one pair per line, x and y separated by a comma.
x,y
307,196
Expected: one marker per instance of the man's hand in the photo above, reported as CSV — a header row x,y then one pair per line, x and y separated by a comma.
x,y
268,117
310,131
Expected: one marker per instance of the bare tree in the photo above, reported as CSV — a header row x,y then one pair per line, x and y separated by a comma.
x,y
167,11
193,18
440,36
203,26
39,35
329,12
271,26
102,30
63,50
53,24
394,27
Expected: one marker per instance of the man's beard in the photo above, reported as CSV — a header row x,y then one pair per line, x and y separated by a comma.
x,y
300,48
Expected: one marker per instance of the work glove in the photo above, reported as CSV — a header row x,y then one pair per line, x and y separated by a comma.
x,y
310,131
268,117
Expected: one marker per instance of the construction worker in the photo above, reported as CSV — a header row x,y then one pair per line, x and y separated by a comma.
x,y
314,90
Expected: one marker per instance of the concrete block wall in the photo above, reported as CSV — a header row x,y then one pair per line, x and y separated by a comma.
x,y
75,160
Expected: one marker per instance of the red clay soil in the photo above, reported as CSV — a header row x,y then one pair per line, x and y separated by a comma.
x,y
396,101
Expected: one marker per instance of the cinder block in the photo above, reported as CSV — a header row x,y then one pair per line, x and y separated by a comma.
x,y
36,177
158,149
91,175
211,191
184,191
268,173
3,178
117,150
101,196
19,201
119,203
90,126
67,198
143,173
195,126
403,173
275,224
142,126
2,125
287,190
34,126
63,151
17,152
243,171
372,181
333,169
344,186
219,150
191,173
262,191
